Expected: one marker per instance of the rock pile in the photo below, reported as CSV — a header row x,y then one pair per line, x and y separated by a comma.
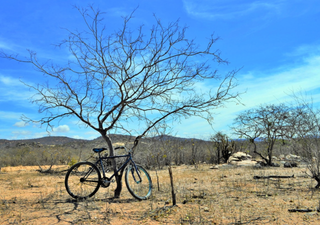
x,y
241,159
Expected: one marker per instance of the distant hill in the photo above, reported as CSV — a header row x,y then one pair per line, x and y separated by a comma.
x,y
172,138
50,140
151,151
53,140
75,143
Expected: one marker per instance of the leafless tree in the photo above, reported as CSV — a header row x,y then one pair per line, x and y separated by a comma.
x,y
306,141
224,147
145,75
266,124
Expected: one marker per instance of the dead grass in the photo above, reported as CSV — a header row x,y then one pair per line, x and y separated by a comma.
x,y
204,196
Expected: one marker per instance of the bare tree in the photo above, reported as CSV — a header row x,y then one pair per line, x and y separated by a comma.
x,y
306,141
224,148
265,124
145,75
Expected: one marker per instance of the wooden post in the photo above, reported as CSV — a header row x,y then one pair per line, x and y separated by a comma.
x,y
157,180
172,188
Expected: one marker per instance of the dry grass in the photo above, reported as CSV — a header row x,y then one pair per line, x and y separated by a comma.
x,y
204,196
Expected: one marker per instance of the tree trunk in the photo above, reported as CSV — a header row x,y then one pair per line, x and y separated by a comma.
x,y
269,157
118,190
318,181
218,154
258,153
270,150
118,176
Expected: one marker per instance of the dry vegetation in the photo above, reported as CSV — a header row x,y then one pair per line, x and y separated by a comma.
x,y
204,196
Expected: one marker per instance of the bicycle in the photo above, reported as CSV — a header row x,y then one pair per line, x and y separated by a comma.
x,y
84,179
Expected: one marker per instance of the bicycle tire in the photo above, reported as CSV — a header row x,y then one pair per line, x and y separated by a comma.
x,y
82,180
140,189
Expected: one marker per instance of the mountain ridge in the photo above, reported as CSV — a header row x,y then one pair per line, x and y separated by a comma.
x,y
63,140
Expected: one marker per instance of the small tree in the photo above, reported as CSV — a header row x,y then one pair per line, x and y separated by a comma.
x,y
306,141
130,75
265,124
224,148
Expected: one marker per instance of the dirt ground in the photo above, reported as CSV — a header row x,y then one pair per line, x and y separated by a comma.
x,y
204,196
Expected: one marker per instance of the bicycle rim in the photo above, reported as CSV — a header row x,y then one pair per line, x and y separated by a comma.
x,y
82,180
138,188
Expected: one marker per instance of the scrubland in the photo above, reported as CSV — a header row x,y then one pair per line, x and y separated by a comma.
x,y
204,196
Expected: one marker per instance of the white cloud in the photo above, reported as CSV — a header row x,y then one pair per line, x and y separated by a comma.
x,y
229,9
271,87
61,129
9,115
305,51
9,81
233,9
117,12
20,124
21,134
12,89
5,46
275,87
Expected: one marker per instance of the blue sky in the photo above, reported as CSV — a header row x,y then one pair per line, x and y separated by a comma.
x,y
275,43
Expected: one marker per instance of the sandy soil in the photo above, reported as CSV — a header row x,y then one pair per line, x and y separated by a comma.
x,y
204,196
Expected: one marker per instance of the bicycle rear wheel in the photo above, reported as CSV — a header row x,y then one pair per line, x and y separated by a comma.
x,y
139,185
82,180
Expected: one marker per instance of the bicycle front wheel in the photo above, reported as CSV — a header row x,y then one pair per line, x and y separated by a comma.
x,y
138,182
82,180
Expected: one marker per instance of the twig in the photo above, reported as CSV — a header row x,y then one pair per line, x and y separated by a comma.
x,y
268,177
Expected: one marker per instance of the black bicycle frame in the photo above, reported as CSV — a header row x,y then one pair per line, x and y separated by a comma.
x,y
129,159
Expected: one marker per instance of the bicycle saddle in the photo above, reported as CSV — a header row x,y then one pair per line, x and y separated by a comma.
x,y
97,150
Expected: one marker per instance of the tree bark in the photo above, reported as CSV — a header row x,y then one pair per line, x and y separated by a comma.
x,y
118,176
118,190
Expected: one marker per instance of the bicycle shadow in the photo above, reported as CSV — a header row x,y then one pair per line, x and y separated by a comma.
x,y
106,200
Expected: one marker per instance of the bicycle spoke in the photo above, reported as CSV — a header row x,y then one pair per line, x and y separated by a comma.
x,y
82,180
139,185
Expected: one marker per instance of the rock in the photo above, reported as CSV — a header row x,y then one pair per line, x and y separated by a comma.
x,y
275,165
241,159
225,165
293,157
239,156
214,167
246,163
262,163
290,164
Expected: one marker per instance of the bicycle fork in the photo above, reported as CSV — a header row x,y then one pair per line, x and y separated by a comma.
x,y
134,177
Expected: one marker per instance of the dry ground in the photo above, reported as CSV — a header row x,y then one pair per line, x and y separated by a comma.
x,y
204,196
